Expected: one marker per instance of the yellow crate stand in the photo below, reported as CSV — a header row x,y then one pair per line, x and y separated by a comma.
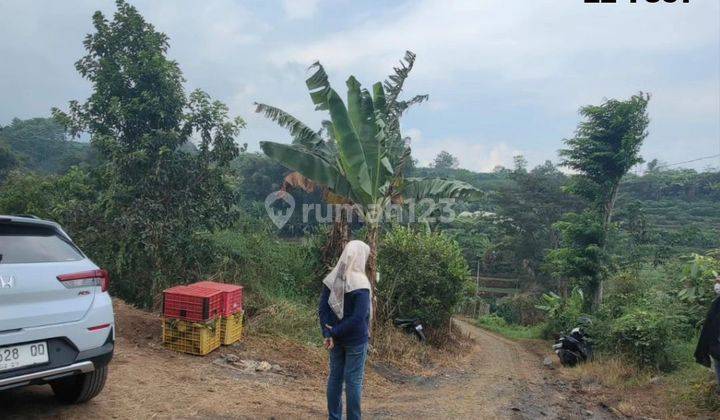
x,y
231,328
191,337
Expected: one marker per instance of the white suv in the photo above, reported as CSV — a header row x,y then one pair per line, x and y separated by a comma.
x,y
56,317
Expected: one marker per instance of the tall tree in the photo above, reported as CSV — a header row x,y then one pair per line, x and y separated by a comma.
x,y
395,107
445,160
364,156
153,195
605,147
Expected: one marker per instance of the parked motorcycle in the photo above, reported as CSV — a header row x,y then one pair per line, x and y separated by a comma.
x,y
573,348
411,326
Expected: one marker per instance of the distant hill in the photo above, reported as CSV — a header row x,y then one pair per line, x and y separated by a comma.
x,y
679,207
40,145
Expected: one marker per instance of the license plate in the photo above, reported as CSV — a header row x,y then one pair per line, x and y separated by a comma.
x,y
14,357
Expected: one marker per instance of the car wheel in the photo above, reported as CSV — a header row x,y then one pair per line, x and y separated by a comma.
x,y
80,388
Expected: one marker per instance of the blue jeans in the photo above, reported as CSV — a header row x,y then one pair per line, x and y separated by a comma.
x,y
716,364
347,364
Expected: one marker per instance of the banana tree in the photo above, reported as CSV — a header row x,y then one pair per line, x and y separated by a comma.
x,y
359,154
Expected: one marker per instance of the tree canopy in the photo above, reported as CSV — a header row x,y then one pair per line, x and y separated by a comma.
x,y
445,160
150,190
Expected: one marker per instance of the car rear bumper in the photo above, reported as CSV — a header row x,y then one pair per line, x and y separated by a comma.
x,y
78,332
65,362
47,375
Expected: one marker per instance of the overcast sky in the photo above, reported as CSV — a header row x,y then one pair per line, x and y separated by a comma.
x,y
504,77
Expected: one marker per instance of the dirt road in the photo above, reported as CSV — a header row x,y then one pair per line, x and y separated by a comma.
x,y
499,379
502,380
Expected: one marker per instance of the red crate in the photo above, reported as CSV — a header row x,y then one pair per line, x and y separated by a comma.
x,y
192,304
232,295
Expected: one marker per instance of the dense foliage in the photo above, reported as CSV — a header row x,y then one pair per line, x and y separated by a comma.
x,y
138,209
651,310
650,317
424,275
528,208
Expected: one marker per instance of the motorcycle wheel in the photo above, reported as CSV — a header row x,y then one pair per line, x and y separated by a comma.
x,y
567,358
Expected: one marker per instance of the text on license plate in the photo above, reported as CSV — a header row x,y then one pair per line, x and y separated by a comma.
x,y
13,357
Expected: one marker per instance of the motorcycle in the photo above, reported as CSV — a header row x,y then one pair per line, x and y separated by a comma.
x,y
573,348
411,326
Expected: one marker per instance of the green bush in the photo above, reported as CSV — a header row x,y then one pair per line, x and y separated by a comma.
x,y
267,266
645,336
651,315
519,309
562,314
423,275
696,285
141,265
27,193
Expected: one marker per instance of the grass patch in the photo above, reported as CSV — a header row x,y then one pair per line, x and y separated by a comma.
x,y
695,389
266,265
287,319
613,372
282,287
393,346
689,391
692,386
516,332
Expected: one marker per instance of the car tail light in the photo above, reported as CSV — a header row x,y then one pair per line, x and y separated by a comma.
x,y
99,327
86,279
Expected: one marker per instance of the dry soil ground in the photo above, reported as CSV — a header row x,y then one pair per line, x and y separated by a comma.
x,y
499,378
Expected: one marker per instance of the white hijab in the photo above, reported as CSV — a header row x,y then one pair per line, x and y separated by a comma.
x,y
348,275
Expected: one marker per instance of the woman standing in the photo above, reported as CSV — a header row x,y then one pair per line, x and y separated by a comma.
x,y
345,323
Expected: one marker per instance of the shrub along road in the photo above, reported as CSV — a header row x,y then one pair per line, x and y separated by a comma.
x,y
499,378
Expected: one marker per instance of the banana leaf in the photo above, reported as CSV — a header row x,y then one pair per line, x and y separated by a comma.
x,y
308,165
319,87
301,133
350,149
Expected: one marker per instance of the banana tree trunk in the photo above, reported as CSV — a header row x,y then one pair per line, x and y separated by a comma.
x,y
372,241
338,237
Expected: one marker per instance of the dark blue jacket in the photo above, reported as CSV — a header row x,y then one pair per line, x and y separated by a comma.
x,y
352,330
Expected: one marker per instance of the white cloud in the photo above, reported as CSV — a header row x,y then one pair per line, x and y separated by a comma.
x,y
546,57
473,155
502,75
520,40
212,30
300,9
